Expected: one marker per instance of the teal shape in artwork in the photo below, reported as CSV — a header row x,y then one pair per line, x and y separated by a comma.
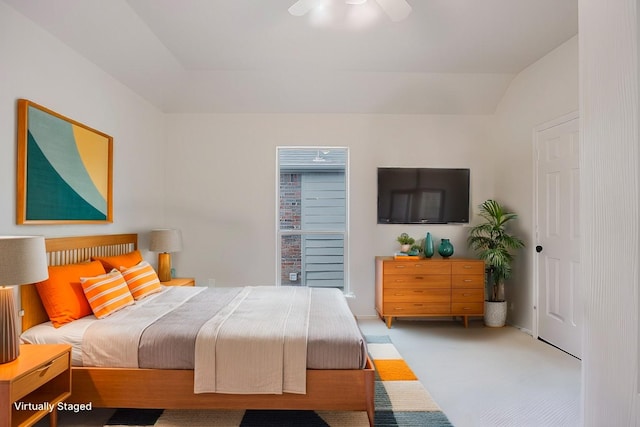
x,y
49,197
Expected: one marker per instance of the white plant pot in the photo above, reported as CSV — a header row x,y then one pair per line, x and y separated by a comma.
x,y
405,248
495,313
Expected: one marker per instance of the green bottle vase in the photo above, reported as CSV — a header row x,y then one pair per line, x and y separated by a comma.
x,y
428,246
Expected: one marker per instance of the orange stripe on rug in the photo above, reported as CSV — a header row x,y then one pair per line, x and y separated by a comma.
x,y
394,370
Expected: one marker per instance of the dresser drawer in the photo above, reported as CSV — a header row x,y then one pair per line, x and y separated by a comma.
x,y
40,376
417,295
467,267
467,308
424,281
417,267
467,295
467,281
411,309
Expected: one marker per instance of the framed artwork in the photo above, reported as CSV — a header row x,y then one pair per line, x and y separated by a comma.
x,y
65,169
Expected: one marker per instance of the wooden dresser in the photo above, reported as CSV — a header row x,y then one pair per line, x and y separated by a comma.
x,y
429,287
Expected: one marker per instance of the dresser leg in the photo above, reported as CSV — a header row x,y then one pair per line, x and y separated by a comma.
x,y
389,320
466,321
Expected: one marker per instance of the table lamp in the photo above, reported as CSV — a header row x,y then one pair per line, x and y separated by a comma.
x,y
23,260
165,241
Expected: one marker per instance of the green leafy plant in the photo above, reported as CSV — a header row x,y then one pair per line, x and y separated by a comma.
x,y
494,245
405,239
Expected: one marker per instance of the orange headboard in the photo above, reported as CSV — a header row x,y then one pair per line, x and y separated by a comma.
x,y
70,250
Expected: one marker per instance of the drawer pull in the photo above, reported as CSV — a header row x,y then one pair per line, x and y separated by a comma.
x,y
467,266
466,295
398,309
399,266
467,280
419,277
466,308
398,295
45,367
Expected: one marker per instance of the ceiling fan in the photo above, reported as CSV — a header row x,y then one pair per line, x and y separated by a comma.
x,y
397,10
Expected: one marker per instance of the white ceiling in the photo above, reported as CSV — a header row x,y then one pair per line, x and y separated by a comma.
x,y
246,56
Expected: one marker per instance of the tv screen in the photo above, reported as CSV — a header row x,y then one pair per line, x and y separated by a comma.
x,y
423,195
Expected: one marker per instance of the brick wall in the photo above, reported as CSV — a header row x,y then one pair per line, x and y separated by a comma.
x,y
290,219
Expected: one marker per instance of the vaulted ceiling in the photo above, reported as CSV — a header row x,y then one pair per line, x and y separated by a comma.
x,y
251,56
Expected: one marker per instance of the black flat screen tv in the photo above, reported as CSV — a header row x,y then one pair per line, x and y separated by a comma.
x,y
423,195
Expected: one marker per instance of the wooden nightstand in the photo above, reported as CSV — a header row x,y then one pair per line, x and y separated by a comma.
x,y
40,376
180,281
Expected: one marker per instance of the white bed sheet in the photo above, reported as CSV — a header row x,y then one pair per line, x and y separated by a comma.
x,y
70,333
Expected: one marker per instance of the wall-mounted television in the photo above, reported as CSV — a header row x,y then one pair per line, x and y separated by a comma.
x,y
423,195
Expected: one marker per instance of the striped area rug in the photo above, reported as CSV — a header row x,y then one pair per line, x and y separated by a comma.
x,y
400,400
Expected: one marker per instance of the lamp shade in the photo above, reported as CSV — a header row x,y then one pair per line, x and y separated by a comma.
x,y
23,259
165,240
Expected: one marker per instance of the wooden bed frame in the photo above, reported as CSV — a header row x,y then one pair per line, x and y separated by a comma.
x,y
341,390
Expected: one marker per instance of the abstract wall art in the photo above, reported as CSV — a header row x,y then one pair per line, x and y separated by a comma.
x,y
65,169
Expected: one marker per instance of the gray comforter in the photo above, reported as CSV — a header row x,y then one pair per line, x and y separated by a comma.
x,y
168,342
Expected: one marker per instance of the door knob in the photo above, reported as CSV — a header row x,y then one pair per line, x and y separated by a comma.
x,y
538,248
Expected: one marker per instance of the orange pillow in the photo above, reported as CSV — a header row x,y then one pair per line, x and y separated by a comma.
x,y
62,294
142,280
118,261
106,293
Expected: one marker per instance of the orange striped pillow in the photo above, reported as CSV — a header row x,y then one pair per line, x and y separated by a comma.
x,y
141,279
106,293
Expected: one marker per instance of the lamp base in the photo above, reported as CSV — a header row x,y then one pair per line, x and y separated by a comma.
x,y
164,266
9,342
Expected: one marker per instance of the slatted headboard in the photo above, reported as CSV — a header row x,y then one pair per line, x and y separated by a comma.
x,y
70,250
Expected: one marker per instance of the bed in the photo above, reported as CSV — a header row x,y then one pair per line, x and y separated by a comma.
x,y
109,387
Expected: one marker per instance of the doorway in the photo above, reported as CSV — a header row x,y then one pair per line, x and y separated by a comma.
x,y
559,306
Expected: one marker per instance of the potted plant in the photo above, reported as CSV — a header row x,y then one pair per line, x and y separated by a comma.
x,y
405,242
494,245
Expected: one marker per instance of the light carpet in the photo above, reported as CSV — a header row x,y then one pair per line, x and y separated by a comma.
x,y
400,400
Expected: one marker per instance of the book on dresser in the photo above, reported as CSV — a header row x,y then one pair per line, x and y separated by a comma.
x,y
434,287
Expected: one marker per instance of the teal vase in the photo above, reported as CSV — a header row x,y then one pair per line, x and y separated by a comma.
x,y
445,249
428,246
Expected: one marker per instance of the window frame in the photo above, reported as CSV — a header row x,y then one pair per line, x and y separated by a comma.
x,y
280,233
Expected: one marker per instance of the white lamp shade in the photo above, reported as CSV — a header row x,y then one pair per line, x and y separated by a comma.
x,y
23,259
165,240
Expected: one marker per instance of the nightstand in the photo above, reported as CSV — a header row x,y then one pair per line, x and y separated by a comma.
x,y
32,385
180,281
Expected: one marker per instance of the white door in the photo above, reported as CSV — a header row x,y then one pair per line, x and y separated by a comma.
x,y
559,303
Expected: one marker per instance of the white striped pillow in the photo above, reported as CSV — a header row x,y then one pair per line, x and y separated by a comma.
x,y
141,279
106,293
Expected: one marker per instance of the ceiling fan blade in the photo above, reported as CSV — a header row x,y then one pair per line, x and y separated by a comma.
x,y
396,9
302,7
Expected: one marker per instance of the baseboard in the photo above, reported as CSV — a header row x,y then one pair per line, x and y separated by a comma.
x,y
366,317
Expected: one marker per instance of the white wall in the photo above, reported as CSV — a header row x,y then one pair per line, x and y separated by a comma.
x,y
609,84
36,66
221,186
543,91
218,171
